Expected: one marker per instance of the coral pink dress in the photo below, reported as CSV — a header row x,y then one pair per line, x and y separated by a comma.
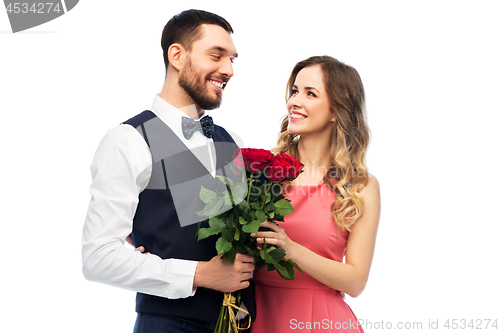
x,y
304,304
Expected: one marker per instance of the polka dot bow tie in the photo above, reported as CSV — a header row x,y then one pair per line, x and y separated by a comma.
x,y
205,125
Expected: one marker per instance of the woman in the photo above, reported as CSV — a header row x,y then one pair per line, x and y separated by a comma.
x,y
337,205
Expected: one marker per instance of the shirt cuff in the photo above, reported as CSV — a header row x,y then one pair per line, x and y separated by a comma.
x,y
182,273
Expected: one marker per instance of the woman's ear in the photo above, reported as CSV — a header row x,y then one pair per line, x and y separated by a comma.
x,y
333,112
176,54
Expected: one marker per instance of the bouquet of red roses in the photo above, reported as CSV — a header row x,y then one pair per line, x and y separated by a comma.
x,y
234,216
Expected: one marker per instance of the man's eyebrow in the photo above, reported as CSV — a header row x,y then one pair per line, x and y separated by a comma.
x,y
221,49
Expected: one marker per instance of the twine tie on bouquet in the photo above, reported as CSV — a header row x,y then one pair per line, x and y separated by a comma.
x,y
230,302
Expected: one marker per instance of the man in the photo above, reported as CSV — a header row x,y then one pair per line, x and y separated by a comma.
x,y
143,172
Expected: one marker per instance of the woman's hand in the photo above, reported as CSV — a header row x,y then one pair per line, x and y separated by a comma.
x,y
276,237
141,249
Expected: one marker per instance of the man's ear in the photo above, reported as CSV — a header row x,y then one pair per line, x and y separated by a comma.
x,y
176,55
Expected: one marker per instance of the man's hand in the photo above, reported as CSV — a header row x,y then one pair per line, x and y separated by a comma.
x,y
223,275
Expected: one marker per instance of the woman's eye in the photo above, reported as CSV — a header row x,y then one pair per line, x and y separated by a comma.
x,y
312,94
294,92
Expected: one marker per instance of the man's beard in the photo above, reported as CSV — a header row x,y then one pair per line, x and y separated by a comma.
x,y
197,89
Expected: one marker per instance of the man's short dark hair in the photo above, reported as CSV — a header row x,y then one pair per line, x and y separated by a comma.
x,y
184,28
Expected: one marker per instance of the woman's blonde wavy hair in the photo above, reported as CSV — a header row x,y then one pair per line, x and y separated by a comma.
x,y
347,174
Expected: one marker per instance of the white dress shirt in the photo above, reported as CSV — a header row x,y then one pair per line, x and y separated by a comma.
x,y
121,170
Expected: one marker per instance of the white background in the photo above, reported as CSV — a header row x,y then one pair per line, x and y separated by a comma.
x,y
430,70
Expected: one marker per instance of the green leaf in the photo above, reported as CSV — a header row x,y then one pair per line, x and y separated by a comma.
x,y
206,232
198,230
278,217
216,223
255,192
206,195
241,248
267,257
253,252
260,215
251,227
242,220
246,215
231,254
222,245
294,264
259,263
276,192
230,221
239,192
225,180
271,268
283,207
237,235
228,199
268,248
282,271
263,191
255,205
279,197
268,198
289,269
243,204
270,207
244,236
227,234
212,208
277,254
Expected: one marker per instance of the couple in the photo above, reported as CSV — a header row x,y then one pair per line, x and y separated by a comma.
x,y
138,175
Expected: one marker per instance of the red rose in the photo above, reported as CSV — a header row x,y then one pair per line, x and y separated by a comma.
x,y
238,161
285,167
256,160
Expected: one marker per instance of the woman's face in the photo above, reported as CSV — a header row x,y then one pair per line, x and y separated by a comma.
x,y
308,107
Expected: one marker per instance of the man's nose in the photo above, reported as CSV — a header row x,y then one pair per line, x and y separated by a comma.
x,y
227,68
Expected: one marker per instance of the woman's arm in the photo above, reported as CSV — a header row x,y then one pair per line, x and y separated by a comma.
x,y
351,276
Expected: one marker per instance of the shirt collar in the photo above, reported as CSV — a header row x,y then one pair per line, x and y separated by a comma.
x,y
171,114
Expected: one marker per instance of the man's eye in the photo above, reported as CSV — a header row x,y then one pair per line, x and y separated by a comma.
x,y
216,56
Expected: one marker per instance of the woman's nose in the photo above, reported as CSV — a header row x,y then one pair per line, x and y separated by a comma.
x,y
294,102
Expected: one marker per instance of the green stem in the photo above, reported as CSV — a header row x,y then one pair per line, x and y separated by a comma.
x,y
218,327
265,197
249,187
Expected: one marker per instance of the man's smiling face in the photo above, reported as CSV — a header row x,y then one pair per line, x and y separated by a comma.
x,y
208,67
